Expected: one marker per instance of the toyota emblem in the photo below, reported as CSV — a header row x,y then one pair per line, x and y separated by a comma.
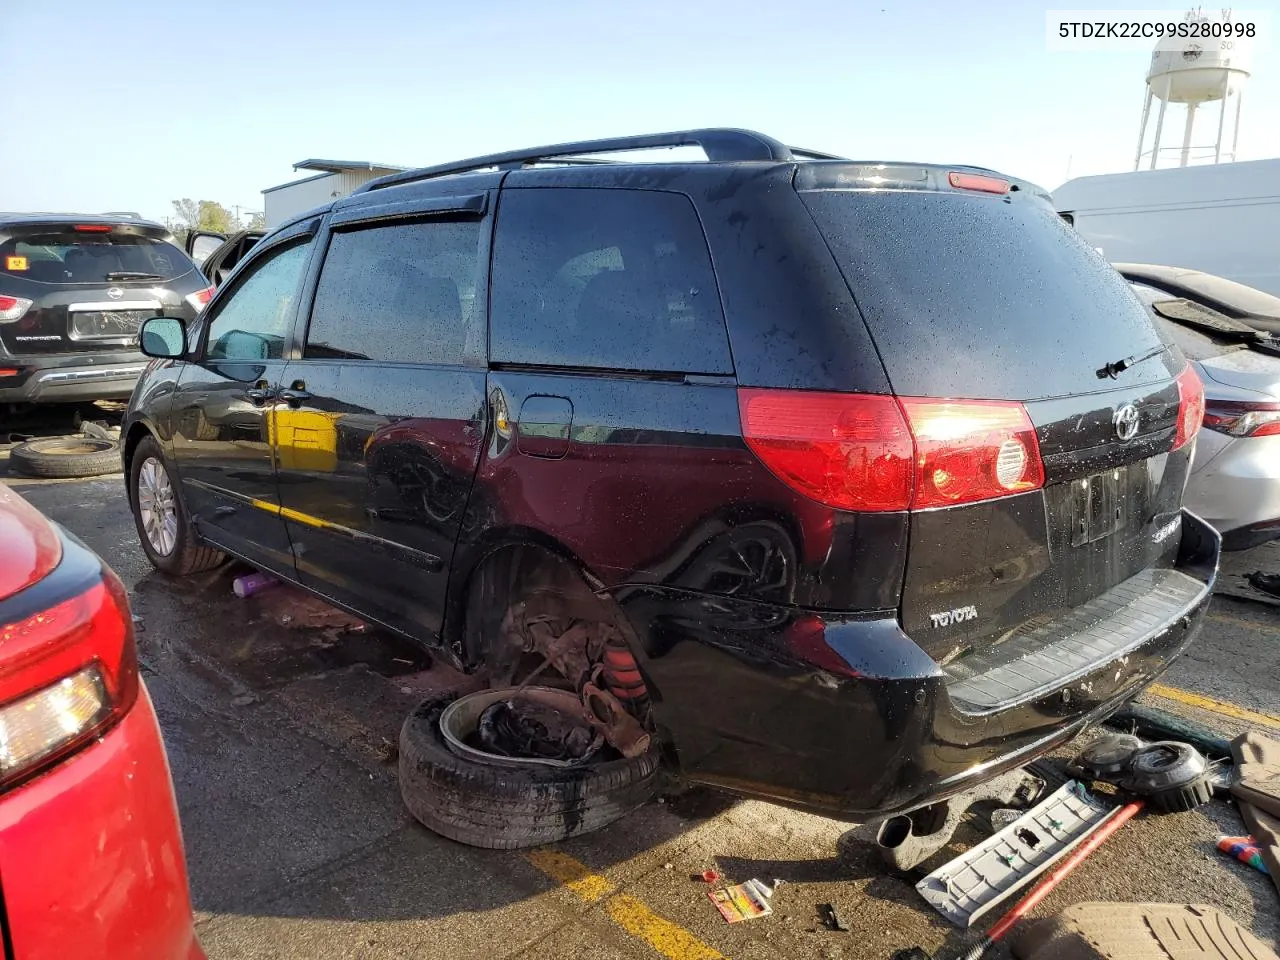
x,y
1126,422
115,293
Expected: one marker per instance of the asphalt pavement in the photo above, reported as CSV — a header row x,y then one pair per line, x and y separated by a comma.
x,y
281,722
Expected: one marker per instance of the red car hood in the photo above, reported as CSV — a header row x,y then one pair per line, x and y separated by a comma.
x,y
29,546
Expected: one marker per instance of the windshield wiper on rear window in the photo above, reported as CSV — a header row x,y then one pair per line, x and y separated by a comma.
x,y
1118,367
133,275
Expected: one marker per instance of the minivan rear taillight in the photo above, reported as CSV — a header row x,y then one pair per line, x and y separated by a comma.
x,y
875,453
66,673
1243,418
1190,407
969,450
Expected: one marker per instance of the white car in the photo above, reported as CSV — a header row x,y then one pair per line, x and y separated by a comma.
x,y
1223,328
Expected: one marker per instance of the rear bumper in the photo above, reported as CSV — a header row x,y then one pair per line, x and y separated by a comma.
x,y
72,377
91,857
741,702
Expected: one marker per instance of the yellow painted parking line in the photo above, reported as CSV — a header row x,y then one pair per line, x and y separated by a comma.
x,y
669,939
1215,706
1249,624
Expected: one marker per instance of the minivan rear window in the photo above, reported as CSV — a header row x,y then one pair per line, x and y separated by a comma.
x,y
982,298
68,256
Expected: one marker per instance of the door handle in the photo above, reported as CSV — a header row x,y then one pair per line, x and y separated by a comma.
x,y
294,396
258,396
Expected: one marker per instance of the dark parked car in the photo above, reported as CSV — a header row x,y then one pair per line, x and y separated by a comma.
x,y
73,292
875,468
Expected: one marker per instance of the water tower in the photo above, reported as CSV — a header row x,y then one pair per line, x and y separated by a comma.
x,y
1191,72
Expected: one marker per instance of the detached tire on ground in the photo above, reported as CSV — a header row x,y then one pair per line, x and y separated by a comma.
x,y
505,806
66,457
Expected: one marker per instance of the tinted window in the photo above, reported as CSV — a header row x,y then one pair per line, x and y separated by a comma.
x,y
404,293
978,297
69,256
619,279
253,321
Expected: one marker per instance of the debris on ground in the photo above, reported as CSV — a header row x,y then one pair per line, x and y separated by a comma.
x,y
299,610
248,584
1123,931
965,888
1172,775
1244,849
527,727
708,876
742,901
1265,582
831,917
1152,723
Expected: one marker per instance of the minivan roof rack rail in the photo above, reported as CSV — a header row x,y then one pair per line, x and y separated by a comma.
x,y
719,144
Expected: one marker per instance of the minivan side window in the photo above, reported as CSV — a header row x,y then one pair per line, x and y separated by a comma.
x,y
252,322
403,293
607,279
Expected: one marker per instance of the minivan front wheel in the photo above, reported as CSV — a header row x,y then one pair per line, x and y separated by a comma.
x,y
161,518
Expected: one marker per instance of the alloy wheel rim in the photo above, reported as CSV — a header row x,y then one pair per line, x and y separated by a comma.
x,y
157,507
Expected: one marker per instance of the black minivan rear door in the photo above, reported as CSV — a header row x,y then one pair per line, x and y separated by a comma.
x,y
975,294
381,421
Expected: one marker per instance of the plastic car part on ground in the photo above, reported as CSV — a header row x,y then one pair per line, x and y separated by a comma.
x,y
1174,776
967,887
505,803
1139,931
66,457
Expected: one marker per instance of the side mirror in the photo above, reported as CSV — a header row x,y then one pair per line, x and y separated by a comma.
x,y
164,338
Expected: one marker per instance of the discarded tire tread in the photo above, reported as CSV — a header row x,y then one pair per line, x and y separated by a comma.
x,y
505,807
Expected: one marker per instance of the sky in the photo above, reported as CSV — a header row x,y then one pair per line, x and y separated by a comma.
x,y
130,104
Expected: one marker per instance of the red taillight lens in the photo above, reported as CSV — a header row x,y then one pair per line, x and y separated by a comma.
x,y
200,298
1190,407
876,453
10,371
12,308
65,674
92,228
968,450
850,451
1247,418
976,181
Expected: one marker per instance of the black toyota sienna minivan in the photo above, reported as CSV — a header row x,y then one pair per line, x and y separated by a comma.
x,y
876,469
